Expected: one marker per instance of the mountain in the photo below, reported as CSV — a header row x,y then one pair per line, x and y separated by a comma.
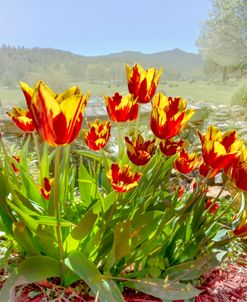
x,y
60,67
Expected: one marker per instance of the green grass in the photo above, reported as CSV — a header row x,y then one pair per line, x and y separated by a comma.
x,y
210,91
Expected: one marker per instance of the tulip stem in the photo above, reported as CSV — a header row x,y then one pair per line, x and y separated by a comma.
x,y
35,140
137,123
57,207
119,142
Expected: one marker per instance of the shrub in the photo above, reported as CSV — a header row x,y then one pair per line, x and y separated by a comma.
x,y
240,96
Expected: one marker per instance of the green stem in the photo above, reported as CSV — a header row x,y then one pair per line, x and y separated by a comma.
x,y
138,122
57,206
35,140
120,151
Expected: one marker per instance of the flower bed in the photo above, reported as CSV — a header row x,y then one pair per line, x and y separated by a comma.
x,y
119,220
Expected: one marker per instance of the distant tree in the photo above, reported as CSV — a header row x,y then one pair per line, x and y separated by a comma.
x,y
223,38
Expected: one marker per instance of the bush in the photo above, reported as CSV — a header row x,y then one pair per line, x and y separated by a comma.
x,y
240,96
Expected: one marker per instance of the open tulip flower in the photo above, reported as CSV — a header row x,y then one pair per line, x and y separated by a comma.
x,y
45,190
22,119
185,163
142,83
140,152
238,173
57,118
121,108
219,150
241,229
98,134
169,147
123,179
168,116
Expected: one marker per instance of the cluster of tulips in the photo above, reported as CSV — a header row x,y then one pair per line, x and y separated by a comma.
x,y
58,119
137,208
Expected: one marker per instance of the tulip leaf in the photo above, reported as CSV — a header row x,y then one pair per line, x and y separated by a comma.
x,y
193,269
121,243
28,220
163,289
31,270
85,225
87,186
52,221
107,290
144,225
31,189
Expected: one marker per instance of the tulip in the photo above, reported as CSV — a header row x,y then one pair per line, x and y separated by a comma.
x,y
22,119
142,83
219,150
238,173
169,147
123,179
185,163
57,118
45,190
98,134
121,108
140,152
168,116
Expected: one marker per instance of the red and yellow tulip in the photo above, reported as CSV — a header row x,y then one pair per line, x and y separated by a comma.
x,y
45,190
219,150
140,151
123,179
169,147
22,119
121,108
98,134
142,83
238,173
185,162
57,118
168,116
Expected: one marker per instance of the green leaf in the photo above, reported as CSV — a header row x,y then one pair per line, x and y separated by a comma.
x,y
121,244
90,154
24,237
85,225
108,200
32,269
193,269
49,220
122,241
87,184
31,190
144,225
163,289
80,231
107,290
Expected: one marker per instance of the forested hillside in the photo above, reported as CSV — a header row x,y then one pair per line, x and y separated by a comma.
x,y
61,67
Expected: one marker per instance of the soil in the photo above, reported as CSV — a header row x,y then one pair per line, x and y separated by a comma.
x,y
228,284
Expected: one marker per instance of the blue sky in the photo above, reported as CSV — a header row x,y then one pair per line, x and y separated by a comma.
x,y
96,27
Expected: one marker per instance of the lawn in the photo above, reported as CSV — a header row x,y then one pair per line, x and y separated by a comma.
x,y
208,91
